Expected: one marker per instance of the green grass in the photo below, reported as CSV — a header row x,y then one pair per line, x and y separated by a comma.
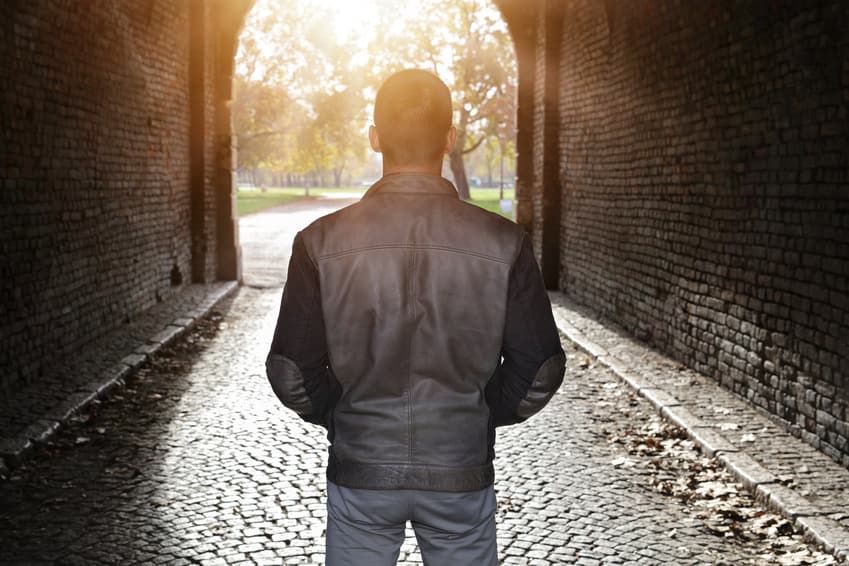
x,y
491,205
252,201
488,200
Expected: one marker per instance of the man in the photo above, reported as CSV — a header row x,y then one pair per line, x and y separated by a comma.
x,y
412,324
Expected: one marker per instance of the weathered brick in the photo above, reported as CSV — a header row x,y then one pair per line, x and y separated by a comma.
x,y
96,216
675,177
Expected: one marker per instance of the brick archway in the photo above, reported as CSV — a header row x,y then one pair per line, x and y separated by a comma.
x,y
215,28
521,17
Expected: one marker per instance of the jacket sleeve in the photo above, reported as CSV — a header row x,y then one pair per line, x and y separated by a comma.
x,y
533,362
297,365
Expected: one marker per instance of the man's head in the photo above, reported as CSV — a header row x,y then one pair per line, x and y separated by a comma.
x,y
412,117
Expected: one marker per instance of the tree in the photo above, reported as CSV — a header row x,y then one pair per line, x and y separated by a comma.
x,y
467,44
339,124
264,122
295,74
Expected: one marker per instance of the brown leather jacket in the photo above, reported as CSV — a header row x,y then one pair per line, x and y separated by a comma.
x,y
436,329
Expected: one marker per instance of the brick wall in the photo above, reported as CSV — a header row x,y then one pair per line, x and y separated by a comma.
x,y
704,159
538,156
95,207
521,17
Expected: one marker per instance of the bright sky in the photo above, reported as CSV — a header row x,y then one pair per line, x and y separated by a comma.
x,y
352,18
352,24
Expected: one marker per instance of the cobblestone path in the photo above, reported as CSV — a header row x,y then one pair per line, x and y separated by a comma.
x,y
194,461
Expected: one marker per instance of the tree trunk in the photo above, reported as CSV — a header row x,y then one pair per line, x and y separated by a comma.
x,y
455,158
501,182
458,168
337,176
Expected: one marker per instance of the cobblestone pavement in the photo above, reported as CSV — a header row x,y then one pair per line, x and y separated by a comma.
x,y
807,481
266,238
194,461
31,410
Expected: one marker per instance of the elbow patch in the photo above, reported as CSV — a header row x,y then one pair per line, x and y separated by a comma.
x,y
287,381
548,378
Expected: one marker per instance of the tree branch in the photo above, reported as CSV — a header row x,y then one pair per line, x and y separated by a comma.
x,y
253,136
474,145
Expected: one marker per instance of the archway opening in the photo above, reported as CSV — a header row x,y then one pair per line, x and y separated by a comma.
x,y
306,73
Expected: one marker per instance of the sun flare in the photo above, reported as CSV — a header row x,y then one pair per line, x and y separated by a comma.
x,y
351,19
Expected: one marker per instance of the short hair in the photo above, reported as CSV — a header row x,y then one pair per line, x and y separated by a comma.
x,y
412,114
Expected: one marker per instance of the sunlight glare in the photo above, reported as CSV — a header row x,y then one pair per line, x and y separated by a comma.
x,y
352,19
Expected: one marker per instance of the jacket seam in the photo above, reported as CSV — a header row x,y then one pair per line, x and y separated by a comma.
x,y
518,249
412,247
410,368
306,249
510,276
357,463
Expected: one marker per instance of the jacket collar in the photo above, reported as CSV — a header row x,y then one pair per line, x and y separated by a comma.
x,y
412,183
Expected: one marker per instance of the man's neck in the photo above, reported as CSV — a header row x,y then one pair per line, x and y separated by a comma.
x,y
430,169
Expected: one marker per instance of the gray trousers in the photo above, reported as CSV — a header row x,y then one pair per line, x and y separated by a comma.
x,y
365,527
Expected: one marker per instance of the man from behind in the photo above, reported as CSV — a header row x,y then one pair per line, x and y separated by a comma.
x,y
412,325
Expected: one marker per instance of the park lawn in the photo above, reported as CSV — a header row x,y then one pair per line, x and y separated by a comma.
x,y
251,201
317,191
255,201
491,205
488,200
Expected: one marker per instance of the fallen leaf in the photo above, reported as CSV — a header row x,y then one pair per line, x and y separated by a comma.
x,y
623,462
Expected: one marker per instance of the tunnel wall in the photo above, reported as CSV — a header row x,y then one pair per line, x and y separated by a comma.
x,y
703,165
95,208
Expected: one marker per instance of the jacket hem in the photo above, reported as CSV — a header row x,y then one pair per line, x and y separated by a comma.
x,y
358,475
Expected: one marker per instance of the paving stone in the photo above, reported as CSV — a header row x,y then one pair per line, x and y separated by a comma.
x,y
199,462
813,482
681,416
827,532
710,441
41,430
790,503
634,380
134,360
659,398
167,334
13,449
750,473
146,350
62,411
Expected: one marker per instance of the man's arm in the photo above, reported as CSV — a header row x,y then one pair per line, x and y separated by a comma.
x,y
297,365
533,360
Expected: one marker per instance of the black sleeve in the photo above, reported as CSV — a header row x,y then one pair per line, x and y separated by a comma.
x,y
533,361
297,365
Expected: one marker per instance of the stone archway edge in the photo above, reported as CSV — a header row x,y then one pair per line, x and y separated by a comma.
x,y
690,405
13,450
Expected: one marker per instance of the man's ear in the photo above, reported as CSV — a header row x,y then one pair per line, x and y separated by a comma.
x,y
374,139
450,140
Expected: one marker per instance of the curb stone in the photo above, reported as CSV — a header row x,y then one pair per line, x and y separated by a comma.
x,y
748,472
13,451
809,518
